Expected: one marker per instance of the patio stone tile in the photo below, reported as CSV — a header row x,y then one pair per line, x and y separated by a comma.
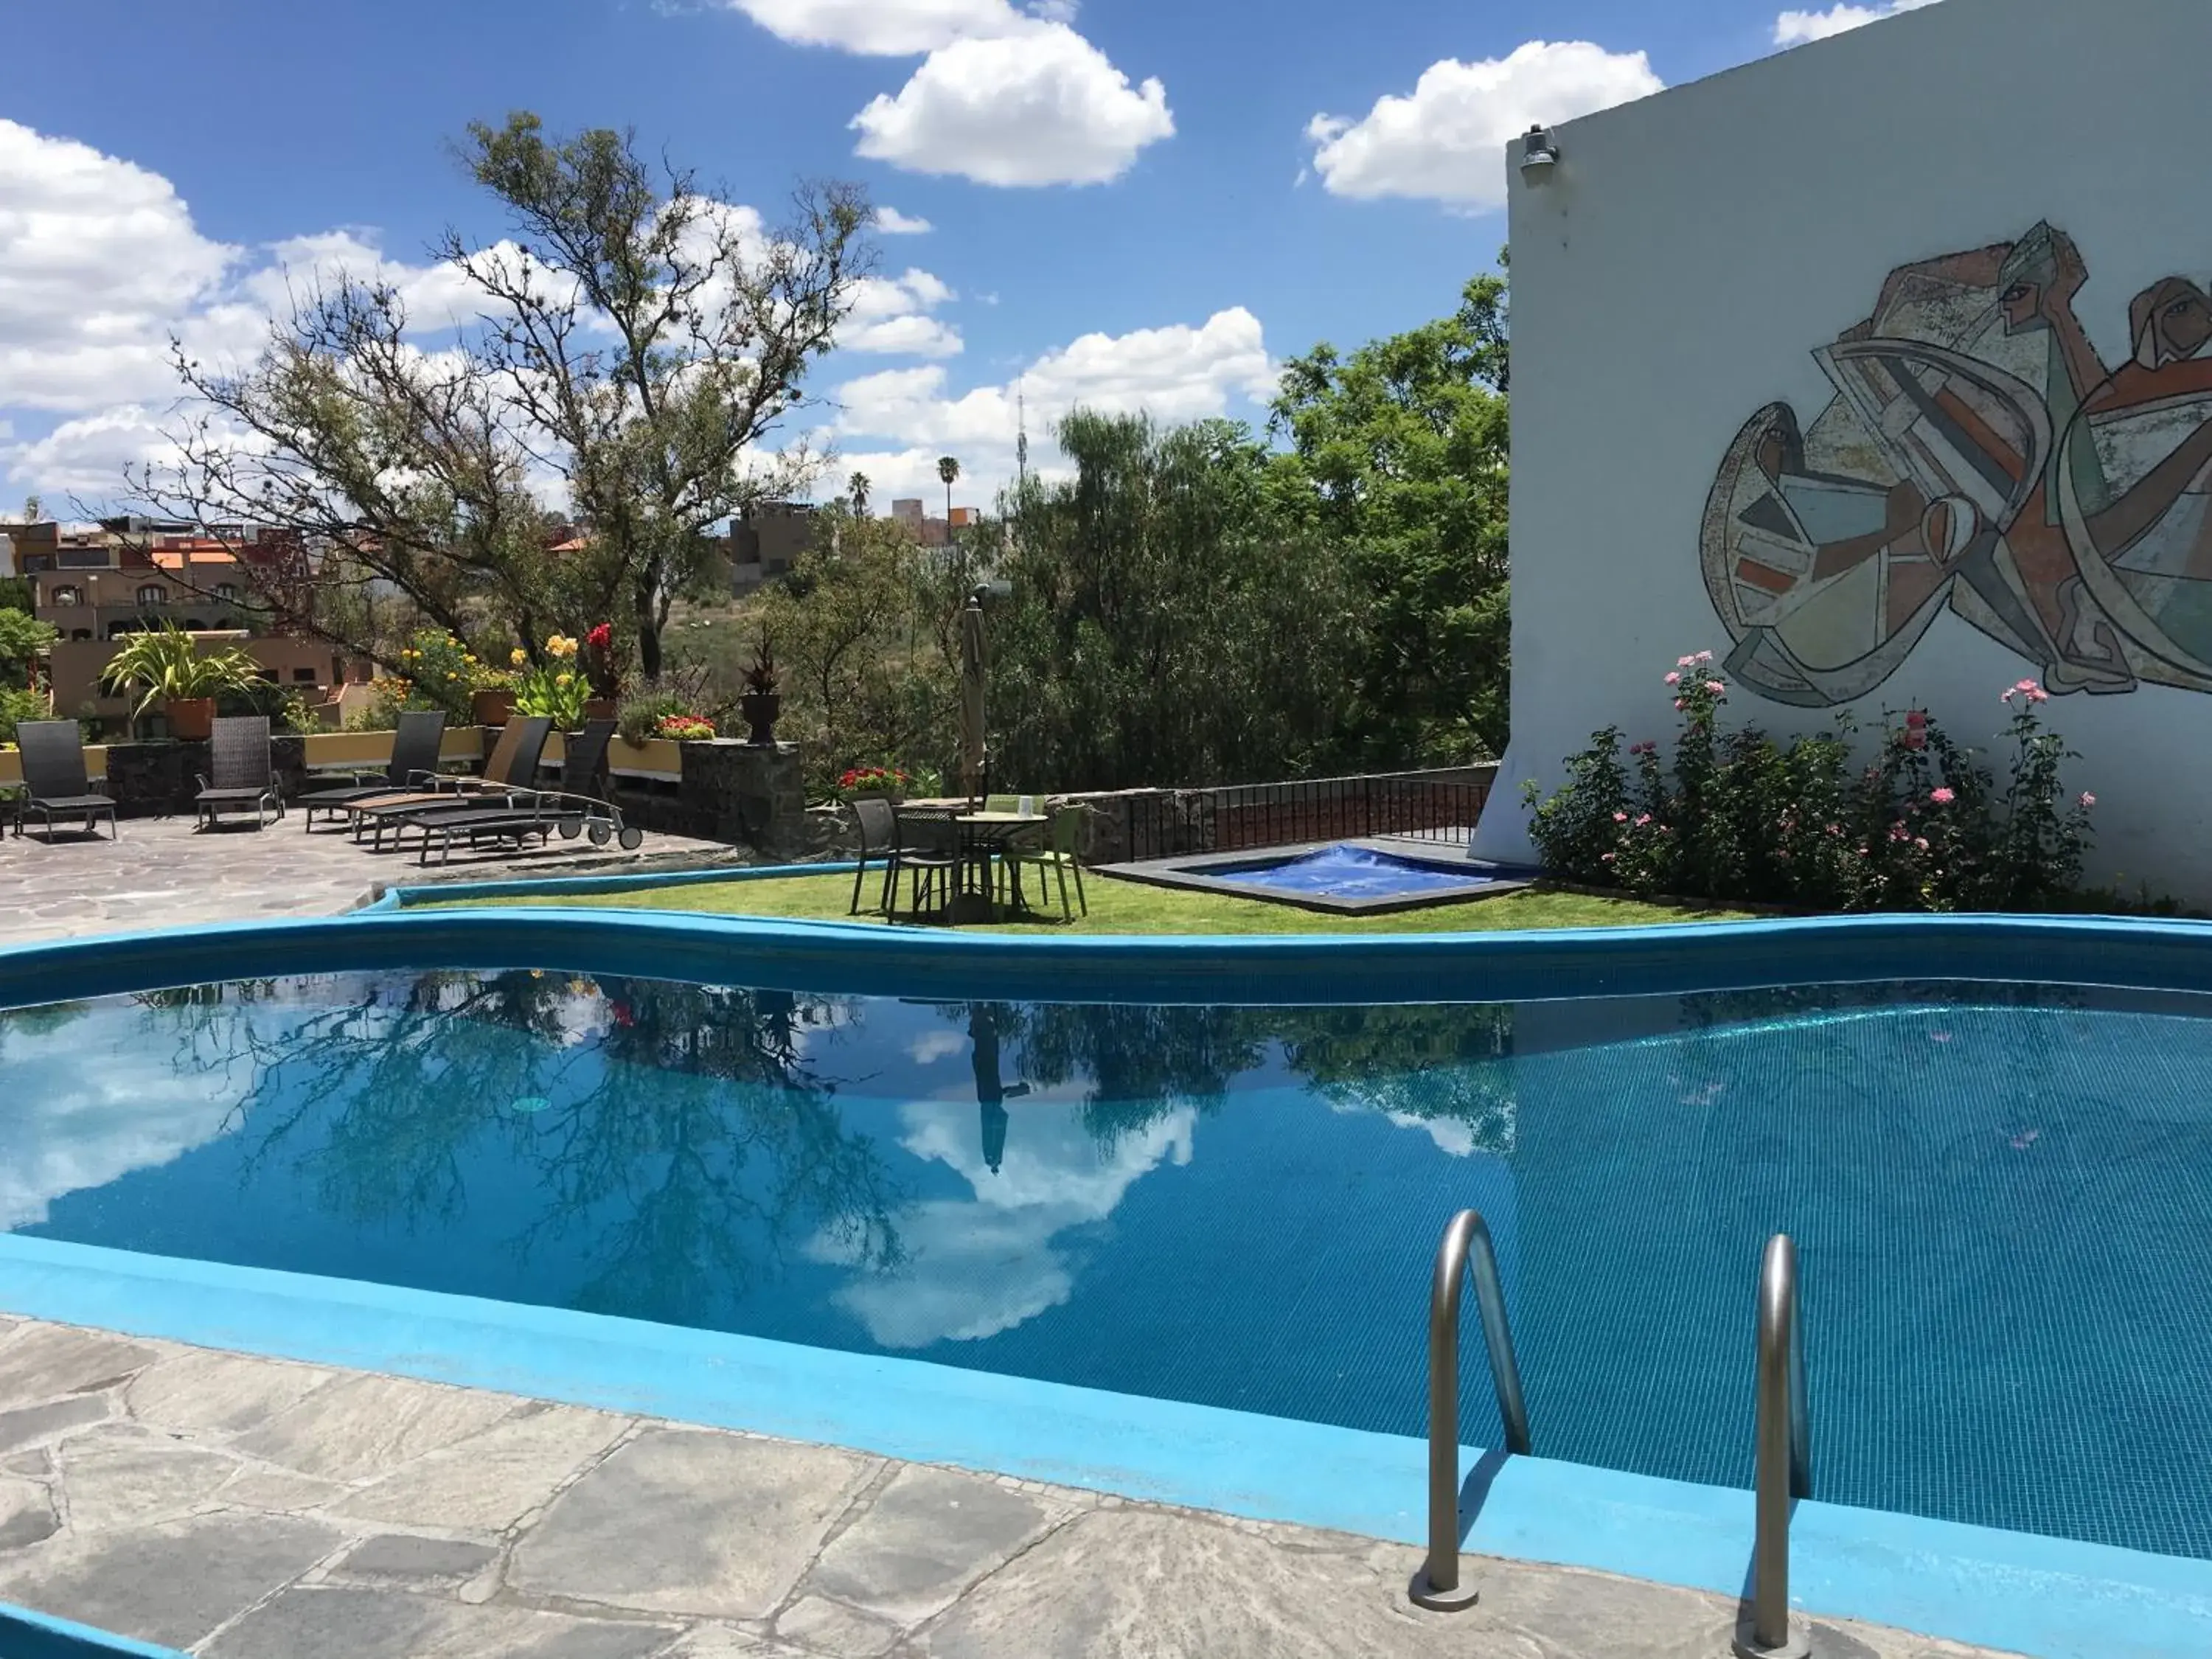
x,y
488,1483
26,1515
200,1392
55,1360
926,1535
727,1642
256,1488
685,1520
360,1426
389,1624
405,1559
36,1422
118,1477
834,1628
172,1584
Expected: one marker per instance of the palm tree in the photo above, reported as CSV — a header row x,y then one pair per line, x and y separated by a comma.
x,y
948,469
858,485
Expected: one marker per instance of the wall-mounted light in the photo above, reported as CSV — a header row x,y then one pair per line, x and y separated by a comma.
x,y
1540,154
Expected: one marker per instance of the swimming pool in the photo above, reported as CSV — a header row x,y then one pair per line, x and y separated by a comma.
x,y
1350,877
1998,1191
1354,872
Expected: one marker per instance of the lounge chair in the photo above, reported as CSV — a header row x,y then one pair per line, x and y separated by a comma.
x,y
54,778
243,775
574,809
413,762
509,772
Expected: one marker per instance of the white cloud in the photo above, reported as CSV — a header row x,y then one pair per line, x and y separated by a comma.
x,y
891,28
1041,105
1178,372
98,257
954,1285
889,316
1795,29
890,221
1445,141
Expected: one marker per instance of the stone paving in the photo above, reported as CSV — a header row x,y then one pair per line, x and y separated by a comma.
x,y
163,873
242,1508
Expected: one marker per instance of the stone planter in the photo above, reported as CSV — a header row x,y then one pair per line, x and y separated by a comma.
x,y
761,709
493,706
191,719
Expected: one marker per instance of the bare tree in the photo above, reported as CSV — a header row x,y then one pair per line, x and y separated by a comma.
x,y
636,339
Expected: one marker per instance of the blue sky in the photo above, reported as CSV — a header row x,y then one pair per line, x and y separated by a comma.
x,y
1130,203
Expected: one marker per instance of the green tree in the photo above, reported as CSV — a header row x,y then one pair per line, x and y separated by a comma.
x,y
1398,454
948,472
1169,624
635,338
869,675
23,639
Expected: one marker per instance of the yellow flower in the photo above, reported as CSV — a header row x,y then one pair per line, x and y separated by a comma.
x,y
518,656
564,681
561,645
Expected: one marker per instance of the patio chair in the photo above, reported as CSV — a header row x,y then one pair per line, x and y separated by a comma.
x,y
925,849
413,762
243,775
509,772
573,809
1055,850
879,840
54,779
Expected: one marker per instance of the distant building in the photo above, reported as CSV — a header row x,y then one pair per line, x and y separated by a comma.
x,y
966,518
765,539
908,512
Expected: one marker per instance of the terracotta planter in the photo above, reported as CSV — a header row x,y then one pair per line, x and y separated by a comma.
x,y
494,706
602,708
191,719
760,709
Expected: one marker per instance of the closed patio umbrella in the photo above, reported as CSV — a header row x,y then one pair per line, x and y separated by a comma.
x,y
973,667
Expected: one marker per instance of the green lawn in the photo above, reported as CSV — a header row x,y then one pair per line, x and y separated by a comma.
x,y
1128,907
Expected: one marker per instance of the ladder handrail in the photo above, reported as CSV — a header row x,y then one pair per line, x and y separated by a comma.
x,y
1465,1249
1783,1441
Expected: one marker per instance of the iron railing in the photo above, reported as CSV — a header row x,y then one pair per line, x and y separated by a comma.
x,y
1432,806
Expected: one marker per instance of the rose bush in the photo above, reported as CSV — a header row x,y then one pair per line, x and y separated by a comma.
x,y
1921,825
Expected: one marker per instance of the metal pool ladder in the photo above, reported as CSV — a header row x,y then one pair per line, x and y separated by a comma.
x,y
1784,1457
1466,1247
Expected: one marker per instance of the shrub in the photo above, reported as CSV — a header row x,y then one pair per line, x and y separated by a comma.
x,y
20,703
641,715
1922,826
443,672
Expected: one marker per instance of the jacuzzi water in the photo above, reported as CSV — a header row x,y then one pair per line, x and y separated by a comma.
x,y
1352,872
2002,1198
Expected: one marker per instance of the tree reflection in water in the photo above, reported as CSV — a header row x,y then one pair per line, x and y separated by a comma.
x,y
680,1132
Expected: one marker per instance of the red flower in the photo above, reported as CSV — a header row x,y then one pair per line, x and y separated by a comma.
x,y
600,637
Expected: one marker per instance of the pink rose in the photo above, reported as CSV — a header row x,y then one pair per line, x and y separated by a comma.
x,y
1920,842
1913,740
1678,704
1642,819
1716,687
1620,817
1915,720
2038,694
2087,799
1703,656
1941,797
1674,679
1686,662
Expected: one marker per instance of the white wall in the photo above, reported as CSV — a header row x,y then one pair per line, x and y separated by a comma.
x,y
1690,253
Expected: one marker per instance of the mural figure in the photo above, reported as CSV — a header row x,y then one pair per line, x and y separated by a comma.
x,y
1978,455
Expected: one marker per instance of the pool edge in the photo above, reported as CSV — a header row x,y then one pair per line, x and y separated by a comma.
x,y
2050,1597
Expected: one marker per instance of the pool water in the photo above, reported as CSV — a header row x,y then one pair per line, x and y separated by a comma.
x,y
2000,1196
1353,872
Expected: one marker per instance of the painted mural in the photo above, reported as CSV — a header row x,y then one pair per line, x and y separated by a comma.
x,y
1978,455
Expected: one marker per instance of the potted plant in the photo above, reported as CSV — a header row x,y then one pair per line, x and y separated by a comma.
x,y
173,671
491,700
761,705
604,676
684,728
553,687
885,781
